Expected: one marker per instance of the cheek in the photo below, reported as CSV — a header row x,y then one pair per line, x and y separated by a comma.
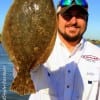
x,y
83,25
61,27
61,24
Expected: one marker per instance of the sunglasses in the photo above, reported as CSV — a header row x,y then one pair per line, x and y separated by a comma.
x,y
77,2
80,15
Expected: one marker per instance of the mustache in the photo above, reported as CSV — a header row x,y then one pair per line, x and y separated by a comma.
x,y
72,25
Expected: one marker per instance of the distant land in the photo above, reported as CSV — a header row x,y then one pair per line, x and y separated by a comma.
x,y
97,42
0,37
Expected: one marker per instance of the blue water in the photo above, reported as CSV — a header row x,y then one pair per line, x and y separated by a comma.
x,y
6,77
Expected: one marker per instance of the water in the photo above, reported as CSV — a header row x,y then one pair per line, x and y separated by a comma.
x,y
6,77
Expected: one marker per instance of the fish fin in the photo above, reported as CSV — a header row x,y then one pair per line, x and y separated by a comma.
x,y
23,85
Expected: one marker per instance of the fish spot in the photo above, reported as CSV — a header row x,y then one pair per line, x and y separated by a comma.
x,y
36,7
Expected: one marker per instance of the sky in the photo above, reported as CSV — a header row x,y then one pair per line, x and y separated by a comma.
x,y
93,29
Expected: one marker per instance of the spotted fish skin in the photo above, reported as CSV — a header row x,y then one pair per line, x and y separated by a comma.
x,y
28,37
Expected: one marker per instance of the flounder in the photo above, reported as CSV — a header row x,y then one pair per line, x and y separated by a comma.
x,y
28,37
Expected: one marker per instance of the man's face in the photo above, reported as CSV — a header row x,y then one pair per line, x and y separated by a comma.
x,y
72,24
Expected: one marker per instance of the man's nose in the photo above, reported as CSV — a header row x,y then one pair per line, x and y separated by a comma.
x,y
73,19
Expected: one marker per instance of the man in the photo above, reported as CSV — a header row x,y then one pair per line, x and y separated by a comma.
x,y
72,71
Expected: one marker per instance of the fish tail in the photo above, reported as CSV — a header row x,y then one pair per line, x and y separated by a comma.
x,y
23,85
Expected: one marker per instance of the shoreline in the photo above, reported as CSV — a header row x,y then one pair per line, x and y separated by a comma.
x,y
96,42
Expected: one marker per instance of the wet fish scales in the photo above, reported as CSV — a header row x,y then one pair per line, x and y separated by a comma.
x,y
28,37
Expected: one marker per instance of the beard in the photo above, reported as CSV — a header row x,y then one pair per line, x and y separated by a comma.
x,y
69,38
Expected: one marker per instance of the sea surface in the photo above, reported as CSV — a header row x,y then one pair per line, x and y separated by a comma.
x,y
6,78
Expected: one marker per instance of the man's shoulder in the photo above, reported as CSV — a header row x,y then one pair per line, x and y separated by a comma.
x,y
92,49
92,46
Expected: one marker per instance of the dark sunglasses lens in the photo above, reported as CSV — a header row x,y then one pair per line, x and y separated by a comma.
x,y
67,16
82,16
